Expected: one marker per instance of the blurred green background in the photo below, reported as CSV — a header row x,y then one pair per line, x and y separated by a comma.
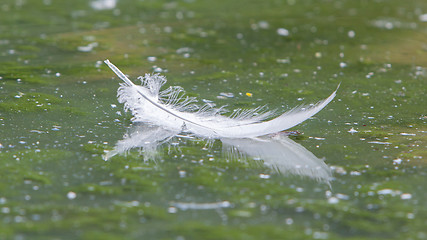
x,y
59,113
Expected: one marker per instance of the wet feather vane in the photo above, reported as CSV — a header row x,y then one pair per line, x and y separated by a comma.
x,y
174,111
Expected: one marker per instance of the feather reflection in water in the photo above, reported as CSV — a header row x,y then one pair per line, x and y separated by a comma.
x,y
278,152
144,136
282,154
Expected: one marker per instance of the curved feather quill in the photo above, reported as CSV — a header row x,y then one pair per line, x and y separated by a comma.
x,y
172,110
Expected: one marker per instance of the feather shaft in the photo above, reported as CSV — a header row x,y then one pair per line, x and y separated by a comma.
x,y
119,73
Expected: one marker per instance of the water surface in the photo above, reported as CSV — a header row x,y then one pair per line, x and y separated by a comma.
x,y
59,115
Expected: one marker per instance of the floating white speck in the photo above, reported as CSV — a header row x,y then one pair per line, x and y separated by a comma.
x,y
351,34
388,191
263,24
5,210
158,69
71,195
56,128
423,18
343,64
405,196
352,130
182,173
320,235
151,59
283,32
408,134
342,196
385,24
299,209
184,50
19,95
284,60
201,206
339,170
87,48
385,191
397,161
264,176
172,210
103,4
382,143
333,200
129,204
227,95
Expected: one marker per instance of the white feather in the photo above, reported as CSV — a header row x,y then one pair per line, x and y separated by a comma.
x,y
172,110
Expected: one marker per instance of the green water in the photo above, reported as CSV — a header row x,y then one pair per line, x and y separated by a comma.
x,y
59,112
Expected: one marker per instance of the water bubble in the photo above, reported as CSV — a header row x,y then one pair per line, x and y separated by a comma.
x,y
5,210
263,24
283,32
103,4
227,95
182,173
320,235
87,48
397,161
352,130
264,176
285,60
406,196
151,59
172,210
333,200
71,195
423,18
